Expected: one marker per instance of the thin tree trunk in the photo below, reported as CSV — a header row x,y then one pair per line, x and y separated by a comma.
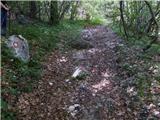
x,y
157,27
39,15
61,7
33,9
46,4
66,8
74,10
151,21
122,18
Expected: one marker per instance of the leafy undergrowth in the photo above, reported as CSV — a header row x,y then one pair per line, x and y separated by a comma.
x,y
19,77
141,70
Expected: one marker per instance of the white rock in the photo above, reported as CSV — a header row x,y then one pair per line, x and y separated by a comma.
x,y
94,50
73,114
151,68
77,72
134,93
121,45
130,89
156,66
12,60
50,83
155,71
14,76
76,105
71,108
67,80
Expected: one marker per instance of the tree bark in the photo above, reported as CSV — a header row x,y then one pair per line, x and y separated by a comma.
x,y
151,20
122,18
54,17
33,9
65,9
157,27
74,10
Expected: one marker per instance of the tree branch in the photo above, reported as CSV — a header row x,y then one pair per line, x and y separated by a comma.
x,y
157,27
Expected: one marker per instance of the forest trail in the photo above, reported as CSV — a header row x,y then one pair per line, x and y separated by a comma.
x,y
96,95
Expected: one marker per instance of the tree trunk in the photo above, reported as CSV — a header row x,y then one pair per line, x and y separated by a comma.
x,y
54,17
74,10
122,18
33,9
66,7
151,20
39,12
156,29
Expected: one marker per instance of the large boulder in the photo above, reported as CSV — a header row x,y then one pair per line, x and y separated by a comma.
x,y
19,47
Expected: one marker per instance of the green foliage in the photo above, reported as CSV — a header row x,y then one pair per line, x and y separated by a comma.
x,y
6,115
143,83
3,104
136,63
96,21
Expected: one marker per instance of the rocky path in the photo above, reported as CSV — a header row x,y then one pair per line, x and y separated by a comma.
x,y
81,84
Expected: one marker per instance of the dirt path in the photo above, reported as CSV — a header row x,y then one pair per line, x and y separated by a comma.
x,y
97,95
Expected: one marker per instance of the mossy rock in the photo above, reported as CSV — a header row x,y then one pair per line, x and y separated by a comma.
x,y
81,44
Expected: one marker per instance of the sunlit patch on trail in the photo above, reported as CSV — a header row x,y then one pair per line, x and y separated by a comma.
x,y
94,50
101,85
106,74
63,59
104,84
